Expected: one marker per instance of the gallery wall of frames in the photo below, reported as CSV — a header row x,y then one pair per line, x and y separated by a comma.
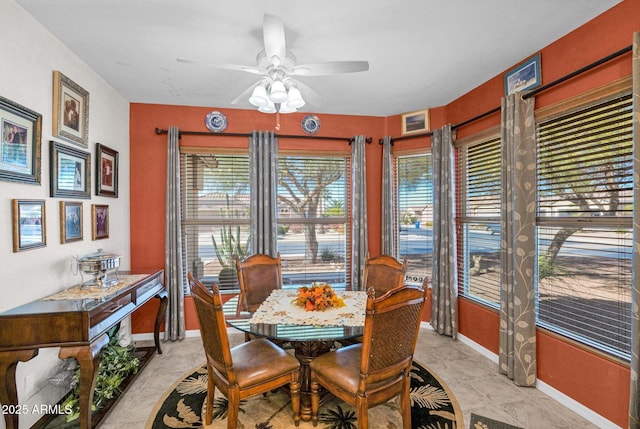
x,y
70,169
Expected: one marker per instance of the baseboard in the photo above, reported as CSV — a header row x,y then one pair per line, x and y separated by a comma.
x,y
560,397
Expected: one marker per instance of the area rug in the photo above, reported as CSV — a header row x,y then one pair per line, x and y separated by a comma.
x,y
433,406
480,422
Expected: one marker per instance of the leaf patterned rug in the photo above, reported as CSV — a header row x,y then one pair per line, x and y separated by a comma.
x,y
433,406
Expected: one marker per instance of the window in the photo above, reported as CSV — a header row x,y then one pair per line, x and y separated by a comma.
x,y
215,215
313,222
584,216
414,181
480,206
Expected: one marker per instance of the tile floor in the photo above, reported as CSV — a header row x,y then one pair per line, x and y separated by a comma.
x,y
472,377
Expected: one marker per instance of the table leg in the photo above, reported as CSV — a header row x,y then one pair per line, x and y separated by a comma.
x,y
305,351
8,392
88,358
164,301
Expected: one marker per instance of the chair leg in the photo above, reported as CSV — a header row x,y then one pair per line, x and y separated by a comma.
x,y
211,391
294,387
233,409
362,413
315,401
405,403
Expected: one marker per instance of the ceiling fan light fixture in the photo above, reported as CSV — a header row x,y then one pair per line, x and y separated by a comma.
x,y
278,92
269,108
286,108
295,100
259,96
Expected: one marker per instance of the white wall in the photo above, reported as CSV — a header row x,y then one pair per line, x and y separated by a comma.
x,y
30,55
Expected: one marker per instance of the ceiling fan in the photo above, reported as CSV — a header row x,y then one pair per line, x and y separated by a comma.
x,y
278,90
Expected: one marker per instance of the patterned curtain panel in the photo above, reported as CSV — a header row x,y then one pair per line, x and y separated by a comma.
x,y
634,404
174,274
444,293
388,199
359,244
263,173
517,355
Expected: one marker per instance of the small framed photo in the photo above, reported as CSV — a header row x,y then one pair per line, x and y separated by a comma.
x,y
415,122
70,172
99,221
70,110
106,171
20,143
523,77
29,224
70,221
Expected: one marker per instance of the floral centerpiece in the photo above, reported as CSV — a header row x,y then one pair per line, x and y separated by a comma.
x,y
318,297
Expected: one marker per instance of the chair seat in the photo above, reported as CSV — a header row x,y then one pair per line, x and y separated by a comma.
x,y
258,361
342,368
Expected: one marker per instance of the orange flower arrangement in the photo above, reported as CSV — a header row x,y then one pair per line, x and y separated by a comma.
x,y
319,296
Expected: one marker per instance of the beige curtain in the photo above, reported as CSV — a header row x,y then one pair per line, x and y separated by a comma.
x,y
444,277
174,263
634,403
517,354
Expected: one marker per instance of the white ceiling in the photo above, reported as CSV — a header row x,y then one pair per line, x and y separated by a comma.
x,y
422,53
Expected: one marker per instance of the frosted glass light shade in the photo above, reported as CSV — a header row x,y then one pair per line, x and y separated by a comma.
x,y
286,108
278,92
269,108
295,100
259,96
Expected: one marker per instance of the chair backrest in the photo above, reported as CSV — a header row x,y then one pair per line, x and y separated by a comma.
x,y
391,327
213,328
258,276
383,273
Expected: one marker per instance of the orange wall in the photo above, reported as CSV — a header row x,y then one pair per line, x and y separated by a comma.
x,y
597,383
148,166
600,384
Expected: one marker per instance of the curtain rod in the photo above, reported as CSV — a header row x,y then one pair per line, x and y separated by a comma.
x,y
551,84
285,136
412,136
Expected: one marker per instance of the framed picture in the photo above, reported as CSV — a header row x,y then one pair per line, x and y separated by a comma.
x,y
415,122
525,76
99,221
70,110
70,169
20,144
29,225
106,171
70,221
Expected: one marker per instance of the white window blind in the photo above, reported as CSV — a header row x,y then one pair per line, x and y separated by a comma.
x,y
585,205
414,184
480,203
313,220
215,215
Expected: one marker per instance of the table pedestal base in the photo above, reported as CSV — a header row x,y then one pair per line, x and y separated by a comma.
x,y
305,352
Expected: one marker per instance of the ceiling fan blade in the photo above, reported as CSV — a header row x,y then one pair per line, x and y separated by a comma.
x,y
237,67
333,67
273,34
244,96
309,94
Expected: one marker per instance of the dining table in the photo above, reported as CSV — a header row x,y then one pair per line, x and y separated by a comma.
x,y
309,333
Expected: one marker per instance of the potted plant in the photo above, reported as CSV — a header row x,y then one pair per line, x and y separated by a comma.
x,y
228,249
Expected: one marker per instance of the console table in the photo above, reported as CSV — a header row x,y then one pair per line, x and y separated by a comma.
x,y
78,326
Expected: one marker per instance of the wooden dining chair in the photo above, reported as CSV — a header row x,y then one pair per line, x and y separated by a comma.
x,y
377,370
258,276
248,369
383,273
